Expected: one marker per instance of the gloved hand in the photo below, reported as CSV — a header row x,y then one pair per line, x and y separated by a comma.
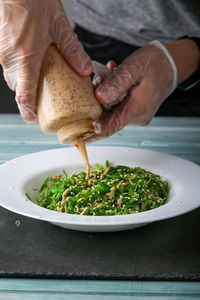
x,y
149,75
27,28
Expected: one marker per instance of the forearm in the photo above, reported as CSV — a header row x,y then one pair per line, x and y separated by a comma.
x,y
186,56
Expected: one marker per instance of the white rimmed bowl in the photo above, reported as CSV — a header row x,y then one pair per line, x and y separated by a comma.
x,y
27,173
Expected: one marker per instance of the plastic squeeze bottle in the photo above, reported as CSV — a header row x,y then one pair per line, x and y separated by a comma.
x,y
66,102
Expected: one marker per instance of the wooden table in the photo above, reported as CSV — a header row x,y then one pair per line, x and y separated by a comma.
x,y
176,136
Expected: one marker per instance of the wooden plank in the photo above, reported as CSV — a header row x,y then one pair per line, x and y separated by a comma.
x,y
164,128
182,139
10,153
176,136
157,121
8,119
59,296
136,135
85,289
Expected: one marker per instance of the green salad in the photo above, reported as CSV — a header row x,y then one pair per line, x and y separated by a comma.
x,y
113,190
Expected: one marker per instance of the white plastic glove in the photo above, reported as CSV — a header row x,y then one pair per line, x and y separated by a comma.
x,y
149,75
27,28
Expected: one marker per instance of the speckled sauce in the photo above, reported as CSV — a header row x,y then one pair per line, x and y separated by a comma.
x,y
63,96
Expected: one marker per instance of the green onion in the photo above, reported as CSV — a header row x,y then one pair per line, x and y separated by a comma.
x,y
99,167
113,190
65,173
28,196
107,163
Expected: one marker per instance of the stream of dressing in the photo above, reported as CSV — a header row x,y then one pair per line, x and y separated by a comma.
x,y
80,144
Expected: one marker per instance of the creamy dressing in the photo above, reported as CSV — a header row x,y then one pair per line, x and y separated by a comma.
x,y
80,144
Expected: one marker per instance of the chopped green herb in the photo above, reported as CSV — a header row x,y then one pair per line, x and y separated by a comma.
x,y
65,173
107,163
109,191
99,167
28,196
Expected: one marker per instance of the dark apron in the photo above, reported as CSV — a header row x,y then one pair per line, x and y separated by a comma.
x,y
102,49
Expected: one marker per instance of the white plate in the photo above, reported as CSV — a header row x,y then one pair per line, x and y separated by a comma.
x,y
25,173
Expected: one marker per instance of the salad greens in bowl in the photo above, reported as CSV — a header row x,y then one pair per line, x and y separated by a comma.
x,y
134,188
113,190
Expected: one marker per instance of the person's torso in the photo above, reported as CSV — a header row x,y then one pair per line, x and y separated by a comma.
x,y
138,22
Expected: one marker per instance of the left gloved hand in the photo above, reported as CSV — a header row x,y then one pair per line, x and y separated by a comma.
x,y
27,28
149,75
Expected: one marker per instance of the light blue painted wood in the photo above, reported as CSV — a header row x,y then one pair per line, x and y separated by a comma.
x,y
174,121
176,136
135,135
58,296
82,289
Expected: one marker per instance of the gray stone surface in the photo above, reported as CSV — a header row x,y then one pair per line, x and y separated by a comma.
x,y
166,250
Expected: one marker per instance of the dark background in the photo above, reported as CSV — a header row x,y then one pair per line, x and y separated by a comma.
x,y
103,49
7,102
179,104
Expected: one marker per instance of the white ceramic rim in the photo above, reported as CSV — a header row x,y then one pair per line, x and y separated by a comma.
x,y
182,174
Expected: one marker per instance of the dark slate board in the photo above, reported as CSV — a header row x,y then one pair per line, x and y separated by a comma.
x,y
165,250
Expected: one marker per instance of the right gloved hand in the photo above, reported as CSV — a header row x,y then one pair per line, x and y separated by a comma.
x,y
27,28
149,75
